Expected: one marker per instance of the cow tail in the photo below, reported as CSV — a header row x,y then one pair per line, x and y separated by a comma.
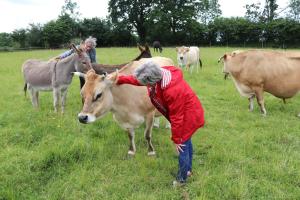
x,y
200,63
25,89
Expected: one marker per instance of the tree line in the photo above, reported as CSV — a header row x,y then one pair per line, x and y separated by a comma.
x,y
175,22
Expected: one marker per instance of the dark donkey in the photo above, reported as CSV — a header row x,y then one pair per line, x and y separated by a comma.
x,y
105,68
157,46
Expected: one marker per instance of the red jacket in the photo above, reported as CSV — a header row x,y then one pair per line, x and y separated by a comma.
x,y
175,99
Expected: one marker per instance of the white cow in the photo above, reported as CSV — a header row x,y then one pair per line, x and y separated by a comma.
x,y
188,57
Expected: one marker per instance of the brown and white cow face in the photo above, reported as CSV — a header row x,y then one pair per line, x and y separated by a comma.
x,y
97,97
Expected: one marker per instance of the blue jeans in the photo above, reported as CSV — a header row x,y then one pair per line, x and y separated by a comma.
x,y
185,161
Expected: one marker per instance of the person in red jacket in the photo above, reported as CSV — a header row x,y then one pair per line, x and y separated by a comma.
x,y
173,97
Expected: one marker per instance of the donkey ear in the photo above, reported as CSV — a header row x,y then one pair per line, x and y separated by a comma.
x,y
141,48
75,48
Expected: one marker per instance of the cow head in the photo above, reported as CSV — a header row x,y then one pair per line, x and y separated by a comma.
x,y
181,54
225,58
97,96
83,63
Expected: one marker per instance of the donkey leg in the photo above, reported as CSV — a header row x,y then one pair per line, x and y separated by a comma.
x,y
148,133
34,98
63,99
55,99
132,149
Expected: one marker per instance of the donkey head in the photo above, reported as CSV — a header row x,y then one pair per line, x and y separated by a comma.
x,y
83,63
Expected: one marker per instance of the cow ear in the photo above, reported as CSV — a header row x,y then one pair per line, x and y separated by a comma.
x,y
176,49
222,57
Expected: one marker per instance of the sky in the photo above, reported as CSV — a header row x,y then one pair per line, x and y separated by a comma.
x,y
16,14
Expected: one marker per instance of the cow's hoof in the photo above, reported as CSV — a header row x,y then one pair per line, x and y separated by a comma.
x,y
131,153
156,125
151,153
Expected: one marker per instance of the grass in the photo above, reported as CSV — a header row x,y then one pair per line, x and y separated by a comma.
x,y
238,154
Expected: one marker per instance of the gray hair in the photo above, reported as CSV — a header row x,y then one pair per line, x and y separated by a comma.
x,y
148,73
91,40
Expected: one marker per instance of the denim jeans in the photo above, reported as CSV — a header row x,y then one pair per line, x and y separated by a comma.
x,y
185,161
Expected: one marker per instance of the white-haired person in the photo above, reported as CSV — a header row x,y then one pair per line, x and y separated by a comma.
x,y
90,48
173,97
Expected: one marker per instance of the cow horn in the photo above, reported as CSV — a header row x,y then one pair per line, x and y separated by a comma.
x,y
80,74
221,58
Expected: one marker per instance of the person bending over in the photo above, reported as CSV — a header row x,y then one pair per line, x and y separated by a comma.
x,y
173,97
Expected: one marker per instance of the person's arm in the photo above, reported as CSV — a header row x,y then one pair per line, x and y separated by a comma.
x,y
66,54
176,114
129,79
92,55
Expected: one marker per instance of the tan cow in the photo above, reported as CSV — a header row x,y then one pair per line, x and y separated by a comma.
x,y
256,71
130,105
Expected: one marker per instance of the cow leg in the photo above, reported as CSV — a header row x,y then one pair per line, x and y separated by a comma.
x,y
168,125
260,101
63,99
200,63
156,122
132,149
251,102
148,132
55,99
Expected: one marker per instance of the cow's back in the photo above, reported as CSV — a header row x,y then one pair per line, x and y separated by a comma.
x,y
275,72
134,101
193,54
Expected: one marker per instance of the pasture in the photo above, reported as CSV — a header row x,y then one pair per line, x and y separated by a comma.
x,y
237,155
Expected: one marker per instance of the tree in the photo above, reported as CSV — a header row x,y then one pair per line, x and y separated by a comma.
x,y
57,33
70,8
208,10
170,20
19,36
253,12
294,10
135,13
269,12
35,35
6,40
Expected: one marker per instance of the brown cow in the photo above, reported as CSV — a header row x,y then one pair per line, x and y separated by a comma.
x,y
256,71
130,105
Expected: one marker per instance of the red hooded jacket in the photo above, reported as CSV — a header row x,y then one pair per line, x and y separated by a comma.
x,y
175,99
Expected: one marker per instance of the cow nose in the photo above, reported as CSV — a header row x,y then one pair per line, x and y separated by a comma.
x,y
83,118
181,58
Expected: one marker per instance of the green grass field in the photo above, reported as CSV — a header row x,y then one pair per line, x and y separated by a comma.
x,y
238,154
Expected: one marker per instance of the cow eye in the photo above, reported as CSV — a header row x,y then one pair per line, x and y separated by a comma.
x,y
98,96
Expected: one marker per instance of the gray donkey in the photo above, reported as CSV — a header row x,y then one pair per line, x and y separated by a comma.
x,y
53,76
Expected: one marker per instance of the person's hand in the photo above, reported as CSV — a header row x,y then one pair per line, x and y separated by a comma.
x,y
113,76
178,147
